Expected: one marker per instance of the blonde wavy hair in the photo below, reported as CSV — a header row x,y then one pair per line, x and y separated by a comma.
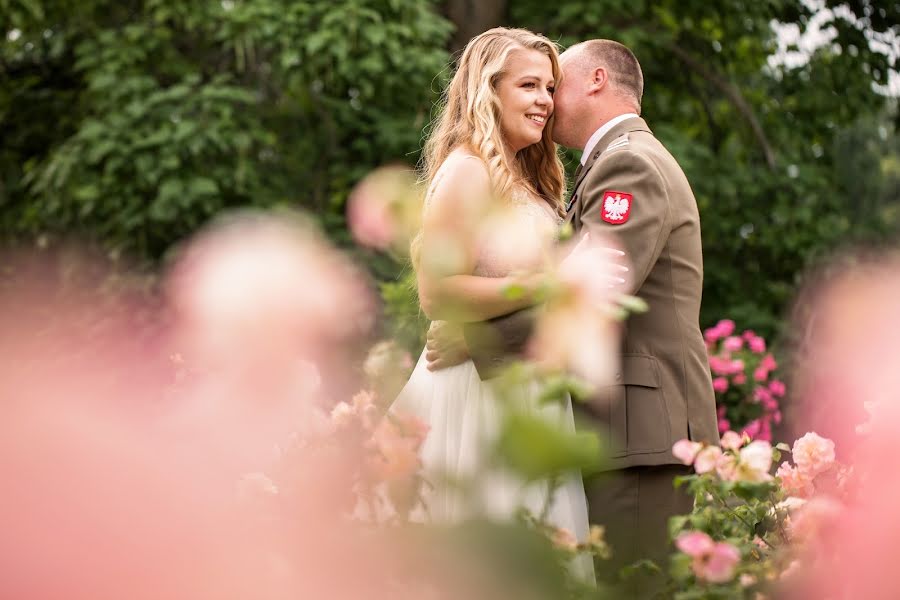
x,y
469,116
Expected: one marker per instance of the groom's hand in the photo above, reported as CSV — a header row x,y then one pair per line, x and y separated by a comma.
x,y
445,346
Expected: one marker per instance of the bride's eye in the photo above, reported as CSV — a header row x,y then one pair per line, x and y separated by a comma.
x,y
552,90
528,84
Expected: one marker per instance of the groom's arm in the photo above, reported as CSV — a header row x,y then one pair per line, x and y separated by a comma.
x,y
495,343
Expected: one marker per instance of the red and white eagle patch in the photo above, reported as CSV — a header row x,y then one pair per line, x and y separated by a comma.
x,y
616,207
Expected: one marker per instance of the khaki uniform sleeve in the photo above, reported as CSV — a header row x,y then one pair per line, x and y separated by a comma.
x,y
644,233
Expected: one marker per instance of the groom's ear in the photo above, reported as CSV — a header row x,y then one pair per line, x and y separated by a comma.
x,y
599,80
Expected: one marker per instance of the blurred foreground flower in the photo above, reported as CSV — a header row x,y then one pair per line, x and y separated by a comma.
x,y
578,329
384,209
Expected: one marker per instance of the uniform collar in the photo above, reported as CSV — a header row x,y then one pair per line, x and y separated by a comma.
x,y
603,130
625,126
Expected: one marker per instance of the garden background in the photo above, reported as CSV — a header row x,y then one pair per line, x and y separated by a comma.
x,y
132,124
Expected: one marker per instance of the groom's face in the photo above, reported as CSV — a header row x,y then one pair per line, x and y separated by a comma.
x,y
570,101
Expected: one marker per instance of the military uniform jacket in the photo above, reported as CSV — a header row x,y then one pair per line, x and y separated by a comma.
x,y
631,187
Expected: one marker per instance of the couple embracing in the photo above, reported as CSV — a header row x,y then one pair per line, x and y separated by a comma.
x,y
511,100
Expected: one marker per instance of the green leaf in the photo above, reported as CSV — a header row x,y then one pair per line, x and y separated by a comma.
x,y
536,448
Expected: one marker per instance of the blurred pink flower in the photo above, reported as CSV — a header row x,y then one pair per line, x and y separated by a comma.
x,y
733,343
705,460
695,543
777,388
748,335
768,363
731,440
396,455
578,330
752,428
712,561
793,482
760,374
686,450
384,209
813,454
342,415
724,425
726,327
720,565
755,461
720,384
736,366
564,540
719,366
726,467
739,379
757,344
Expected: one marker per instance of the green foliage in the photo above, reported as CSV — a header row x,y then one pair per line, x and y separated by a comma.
x,y
134,123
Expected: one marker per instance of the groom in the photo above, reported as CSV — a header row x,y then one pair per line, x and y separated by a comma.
x,y
629,186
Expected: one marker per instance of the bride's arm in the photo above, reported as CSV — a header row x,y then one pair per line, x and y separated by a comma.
x,y
448,289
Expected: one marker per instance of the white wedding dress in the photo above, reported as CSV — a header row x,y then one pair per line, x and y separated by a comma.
x,y
465,416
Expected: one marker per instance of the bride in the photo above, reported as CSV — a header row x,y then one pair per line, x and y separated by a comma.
x,y
491,144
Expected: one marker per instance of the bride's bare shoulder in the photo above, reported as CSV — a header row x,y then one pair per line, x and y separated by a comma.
x,y
461,172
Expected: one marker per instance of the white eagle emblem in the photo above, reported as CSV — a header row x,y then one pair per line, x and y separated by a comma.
x,y
615,207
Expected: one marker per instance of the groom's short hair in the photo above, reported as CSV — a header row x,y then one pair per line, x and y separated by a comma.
x,y
622,64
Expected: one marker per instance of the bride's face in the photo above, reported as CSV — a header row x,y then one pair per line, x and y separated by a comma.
x,y
525,92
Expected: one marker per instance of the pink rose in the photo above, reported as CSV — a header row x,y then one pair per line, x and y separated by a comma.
x,y
725,327
755,462
793,482
777,388
739,379
731,440
752,429
712,561
719,365
757,344
686,451
695,543
736,366
813,454
764,396
760,374
733,343
711,336
706,459
726,467
720,384
748,335
719,566
724,425
768,363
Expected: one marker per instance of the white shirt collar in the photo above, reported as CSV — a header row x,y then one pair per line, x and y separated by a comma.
x,y
604,129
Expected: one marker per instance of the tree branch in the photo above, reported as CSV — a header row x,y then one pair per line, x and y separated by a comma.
x,y
734,95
